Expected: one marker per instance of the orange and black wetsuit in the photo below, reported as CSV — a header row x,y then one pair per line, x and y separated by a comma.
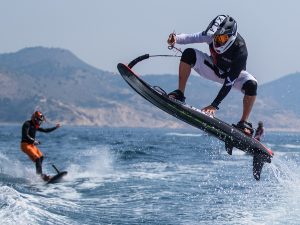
x,y
28,143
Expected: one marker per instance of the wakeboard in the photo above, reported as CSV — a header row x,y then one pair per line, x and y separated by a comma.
x,y
231,136
57,178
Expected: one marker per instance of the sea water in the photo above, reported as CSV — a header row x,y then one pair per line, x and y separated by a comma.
x,y
147,176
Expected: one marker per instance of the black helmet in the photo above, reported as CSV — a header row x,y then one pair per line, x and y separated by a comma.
x,y
260,123
224,31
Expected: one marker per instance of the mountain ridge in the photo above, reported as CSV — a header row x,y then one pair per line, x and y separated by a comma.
x,y
70,91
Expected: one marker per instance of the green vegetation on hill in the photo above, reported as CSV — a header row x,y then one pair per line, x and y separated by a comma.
x,y
70,91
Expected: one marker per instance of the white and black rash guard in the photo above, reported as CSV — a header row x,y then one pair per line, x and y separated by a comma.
x,y
227,65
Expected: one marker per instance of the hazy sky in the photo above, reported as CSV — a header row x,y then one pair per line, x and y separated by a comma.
x,y
103,33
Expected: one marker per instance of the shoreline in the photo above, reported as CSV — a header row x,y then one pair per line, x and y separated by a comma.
x,y
284,130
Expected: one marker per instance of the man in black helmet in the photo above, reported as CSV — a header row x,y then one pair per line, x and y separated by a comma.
x,y
226,64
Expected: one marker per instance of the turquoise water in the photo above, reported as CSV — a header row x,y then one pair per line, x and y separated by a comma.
x,y
147,176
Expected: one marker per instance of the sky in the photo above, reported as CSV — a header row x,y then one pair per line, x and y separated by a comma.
x,y
104,33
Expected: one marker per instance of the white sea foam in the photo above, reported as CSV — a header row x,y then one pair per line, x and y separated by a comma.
x,y
285,170
97,164
278,147
184,134
287,174
17,208
290,146
16,169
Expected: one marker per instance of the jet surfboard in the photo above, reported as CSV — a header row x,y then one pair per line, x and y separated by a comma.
x,y
57,178
232,137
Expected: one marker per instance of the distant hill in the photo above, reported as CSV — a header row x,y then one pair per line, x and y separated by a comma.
x,y
67,90
70,91
286,91
279,102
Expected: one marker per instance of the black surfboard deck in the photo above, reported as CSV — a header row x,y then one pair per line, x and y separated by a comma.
x,y
231,136
57,178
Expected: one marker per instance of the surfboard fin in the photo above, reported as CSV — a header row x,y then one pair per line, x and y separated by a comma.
x,y
228,148
257,166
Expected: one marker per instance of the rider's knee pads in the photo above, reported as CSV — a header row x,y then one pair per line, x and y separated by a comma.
x,y
250,88
189,56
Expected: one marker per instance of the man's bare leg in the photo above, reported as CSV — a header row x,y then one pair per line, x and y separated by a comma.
x,y
184,73
248,102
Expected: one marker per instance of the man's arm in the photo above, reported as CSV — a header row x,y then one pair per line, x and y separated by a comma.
x,y
237,66
47,130
223,92
193,38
